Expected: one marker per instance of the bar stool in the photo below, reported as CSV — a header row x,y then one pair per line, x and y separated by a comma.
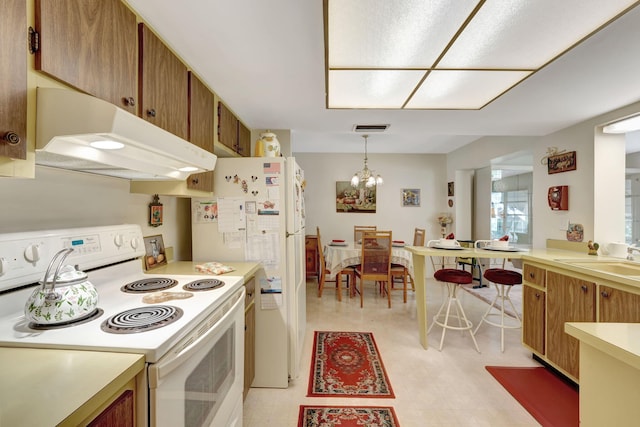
x,y
452,278
503,280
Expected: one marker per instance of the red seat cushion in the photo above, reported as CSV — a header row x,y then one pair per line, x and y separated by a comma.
x,y
453,275
502,276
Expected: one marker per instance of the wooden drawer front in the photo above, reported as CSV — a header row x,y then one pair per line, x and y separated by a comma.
x,y
534,275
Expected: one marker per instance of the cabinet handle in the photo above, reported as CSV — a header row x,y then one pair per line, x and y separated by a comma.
x,y
195,180
11,138
151,113
538,296
531,275
129,101
584,288
604,294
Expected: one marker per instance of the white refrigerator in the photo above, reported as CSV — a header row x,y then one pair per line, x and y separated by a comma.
x,y
257,213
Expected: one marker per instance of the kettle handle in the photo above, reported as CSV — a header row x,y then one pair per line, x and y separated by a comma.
x,y
65,253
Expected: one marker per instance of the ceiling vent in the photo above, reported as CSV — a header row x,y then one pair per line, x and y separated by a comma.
x,y
370,128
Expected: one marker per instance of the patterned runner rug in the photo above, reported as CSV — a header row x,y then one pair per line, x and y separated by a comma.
x,y
347,416
347,364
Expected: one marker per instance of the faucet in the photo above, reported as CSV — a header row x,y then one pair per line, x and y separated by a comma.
x,y
630,251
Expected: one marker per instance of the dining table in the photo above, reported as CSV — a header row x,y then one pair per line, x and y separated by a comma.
x,y
340,255
420,256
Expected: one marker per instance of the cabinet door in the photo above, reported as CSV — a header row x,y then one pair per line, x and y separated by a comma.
x,y
249,348
227,127
91,45
533,318
618,306
164,85
119,414
13,79
534,275
244,140
201,128
568,300
249,335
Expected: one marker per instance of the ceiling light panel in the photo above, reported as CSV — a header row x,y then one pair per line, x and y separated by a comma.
x,y
371,89
525,34
392,33
463,89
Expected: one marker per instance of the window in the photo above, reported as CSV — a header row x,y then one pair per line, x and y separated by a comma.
x,y
511,208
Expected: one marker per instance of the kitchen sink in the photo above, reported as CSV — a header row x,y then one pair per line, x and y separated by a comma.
x,y
615,267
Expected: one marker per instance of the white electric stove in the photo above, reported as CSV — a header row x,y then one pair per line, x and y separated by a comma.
x,y
112,257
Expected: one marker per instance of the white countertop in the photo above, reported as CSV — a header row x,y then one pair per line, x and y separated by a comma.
x,y
44,387
618,340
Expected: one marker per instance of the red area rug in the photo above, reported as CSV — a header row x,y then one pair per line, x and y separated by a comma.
x,y
347,416
551,401
347,364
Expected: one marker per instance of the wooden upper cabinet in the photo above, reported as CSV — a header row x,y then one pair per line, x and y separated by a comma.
x,y
13,80
244,140
227,127
90,45
202,130
163,85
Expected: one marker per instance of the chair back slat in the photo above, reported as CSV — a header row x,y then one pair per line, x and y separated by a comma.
x,y
376,254
359,229
418,237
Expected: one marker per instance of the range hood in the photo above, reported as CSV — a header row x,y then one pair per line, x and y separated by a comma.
x,y
71,126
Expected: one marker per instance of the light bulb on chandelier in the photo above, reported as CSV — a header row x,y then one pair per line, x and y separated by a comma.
x,y
366,177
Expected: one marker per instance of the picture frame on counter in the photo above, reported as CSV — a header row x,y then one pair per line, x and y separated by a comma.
x,y
155,254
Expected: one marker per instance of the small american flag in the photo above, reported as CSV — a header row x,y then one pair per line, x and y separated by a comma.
x,y
271,167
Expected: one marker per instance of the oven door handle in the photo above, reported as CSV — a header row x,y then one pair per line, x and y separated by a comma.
x,y
174,359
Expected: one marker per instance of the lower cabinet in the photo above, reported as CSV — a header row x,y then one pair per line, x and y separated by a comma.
x,y
533,318
618,306
120,413
569,299
249,336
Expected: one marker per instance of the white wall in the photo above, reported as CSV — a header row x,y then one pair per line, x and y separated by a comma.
x,y
421,171
64,199
584,195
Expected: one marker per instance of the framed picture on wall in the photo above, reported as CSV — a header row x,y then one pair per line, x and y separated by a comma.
x,y
410,197
562,162
450,189
358,200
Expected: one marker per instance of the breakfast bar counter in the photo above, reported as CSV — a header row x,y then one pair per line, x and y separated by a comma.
x,y
568,260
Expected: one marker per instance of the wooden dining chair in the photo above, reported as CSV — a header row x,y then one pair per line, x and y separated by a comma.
x,y
375,262
399,271
349,272
359,229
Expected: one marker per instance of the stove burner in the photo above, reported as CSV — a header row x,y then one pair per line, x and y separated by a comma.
x,y
203,285
142,319
149,285
89,317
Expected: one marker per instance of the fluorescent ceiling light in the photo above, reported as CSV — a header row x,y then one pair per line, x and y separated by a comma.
x,y
625,125
438,54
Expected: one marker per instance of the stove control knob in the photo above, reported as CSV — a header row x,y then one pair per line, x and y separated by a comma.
x,y
118,240
135,243
32,253
4,266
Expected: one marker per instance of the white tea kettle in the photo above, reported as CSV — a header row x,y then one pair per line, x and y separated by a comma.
x,y
64,296
617,250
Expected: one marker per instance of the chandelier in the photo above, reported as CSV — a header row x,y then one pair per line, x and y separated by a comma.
x,y
366,176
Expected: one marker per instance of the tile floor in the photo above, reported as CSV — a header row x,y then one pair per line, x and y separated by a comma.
x,y
432,388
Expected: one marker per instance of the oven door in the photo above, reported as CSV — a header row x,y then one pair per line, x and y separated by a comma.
x,y
200,383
